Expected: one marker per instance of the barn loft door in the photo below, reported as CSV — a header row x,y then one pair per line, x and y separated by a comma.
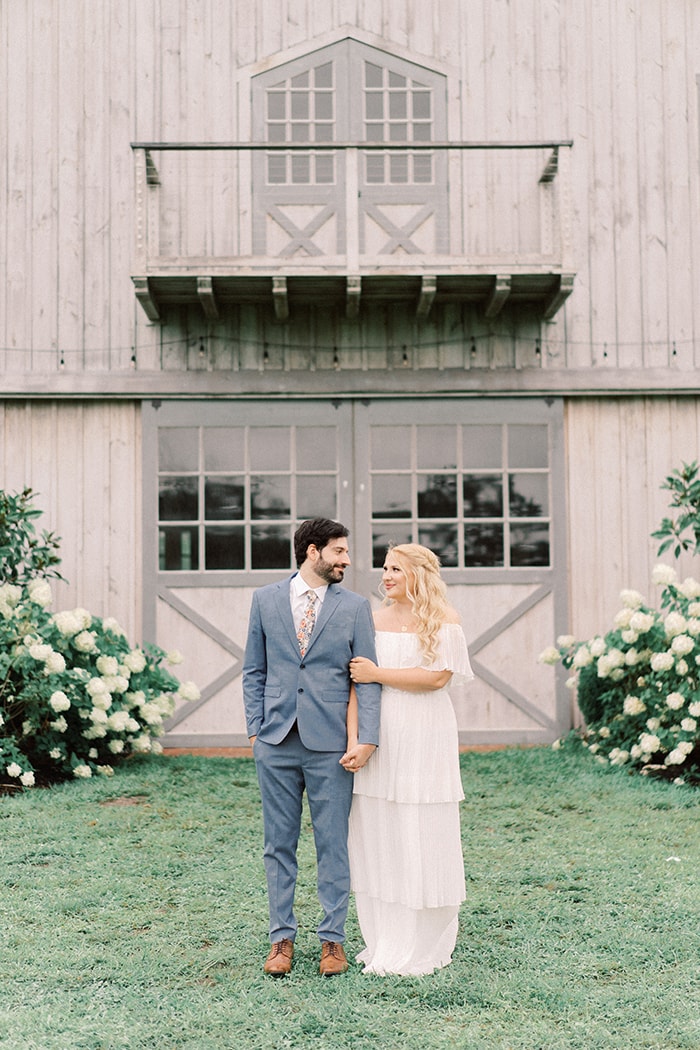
x,y
481,483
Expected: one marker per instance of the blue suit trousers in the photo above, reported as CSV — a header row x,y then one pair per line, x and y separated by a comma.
x,y
285,771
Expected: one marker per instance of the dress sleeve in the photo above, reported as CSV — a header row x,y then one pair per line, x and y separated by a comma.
x,y
452,654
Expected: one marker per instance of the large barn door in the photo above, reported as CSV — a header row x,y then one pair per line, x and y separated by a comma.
x,y
480,482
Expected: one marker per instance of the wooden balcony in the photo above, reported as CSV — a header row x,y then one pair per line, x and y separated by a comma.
x,y
227,224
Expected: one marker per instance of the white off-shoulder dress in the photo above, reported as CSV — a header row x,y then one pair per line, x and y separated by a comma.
x,y
406,864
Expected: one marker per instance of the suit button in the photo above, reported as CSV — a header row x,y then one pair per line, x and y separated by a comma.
x,y
302,666
300,690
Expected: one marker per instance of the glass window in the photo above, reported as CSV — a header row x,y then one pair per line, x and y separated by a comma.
x,y
456,489
248,489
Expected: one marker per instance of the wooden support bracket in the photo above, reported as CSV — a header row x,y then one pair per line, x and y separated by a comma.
x,y
352,300
143,294
565,287
280,298
428,288
498,295
551,168
205,291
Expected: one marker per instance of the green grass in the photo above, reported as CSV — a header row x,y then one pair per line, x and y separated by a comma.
x,y
134,916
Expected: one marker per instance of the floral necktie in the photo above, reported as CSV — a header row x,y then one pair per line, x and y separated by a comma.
x,y
307,622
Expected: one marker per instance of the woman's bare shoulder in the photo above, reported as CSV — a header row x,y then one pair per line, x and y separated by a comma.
x,y
382,617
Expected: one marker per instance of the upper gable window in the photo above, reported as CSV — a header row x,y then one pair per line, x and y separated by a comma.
x,y
349,92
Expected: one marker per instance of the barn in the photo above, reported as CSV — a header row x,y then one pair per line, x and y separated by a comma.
x,y
429,268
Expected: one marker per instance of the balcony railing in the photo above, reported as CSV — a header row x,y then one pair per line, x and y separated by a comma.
x,y
218,223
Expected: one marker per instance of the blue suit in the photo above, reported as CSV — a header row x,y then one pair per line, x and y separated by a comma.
x,y
296,707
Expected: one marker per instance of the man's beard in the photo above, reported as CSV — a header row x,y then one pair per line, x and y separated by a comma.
x,y
329,573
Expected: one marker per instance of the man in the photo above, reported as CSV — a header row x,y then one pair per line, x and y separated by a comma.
x,y
303,632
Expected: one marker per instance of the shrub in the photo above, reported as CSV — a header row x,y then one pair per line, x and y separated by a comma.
x,y
638,685
75,696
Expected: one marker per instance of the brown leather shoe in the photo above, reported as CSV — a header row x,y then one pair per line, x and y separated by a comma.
x,y
279,961
333,959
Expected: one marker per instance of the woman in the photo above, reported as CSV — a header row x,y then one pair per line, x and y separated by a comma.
x,y
405,849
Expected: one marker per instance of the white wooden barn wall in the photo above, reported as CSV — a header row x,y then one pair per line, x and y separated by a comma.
x,y
83,460
618,453
80,80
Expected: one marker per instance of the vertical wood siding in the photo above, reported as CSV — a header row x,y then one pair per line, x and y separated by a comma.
x,y
83,461
79,81
618,452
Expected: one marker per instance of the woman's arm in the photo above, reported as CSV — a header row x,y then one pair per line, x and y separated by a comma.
x,y
412,679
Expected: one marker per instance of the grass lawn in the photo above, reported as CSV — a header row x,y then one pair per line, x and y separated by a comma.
x,y
134,916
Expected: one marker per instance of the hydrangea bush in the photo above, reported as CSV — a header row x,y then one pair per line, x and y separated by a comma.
x,y
638,685
75,696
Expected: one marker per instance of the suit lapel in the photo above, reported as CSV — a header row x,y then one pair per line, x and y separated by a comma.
x,y
284,607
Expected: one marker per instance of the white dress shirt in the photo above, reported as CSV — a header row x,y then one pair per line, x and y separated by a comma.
x,y
298,590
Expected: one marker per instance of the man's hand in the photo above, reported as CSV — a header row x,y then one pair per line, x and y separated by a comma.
x,y
252,739
356,757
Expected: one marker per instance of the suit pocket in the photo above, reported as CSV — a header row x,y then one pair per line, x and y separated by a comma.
x,y
336,697
272,692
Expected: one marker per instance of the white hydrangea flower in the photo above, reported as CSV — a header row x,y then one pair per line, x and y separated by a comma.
x,y
93,752
166,703
98,716
101,702
623,617
681,668
107,665
27,779
694,709
674,758
690,588
151,714
631,599
693,626
688,725
82,771
653,724
682,644
649,743
68,622
96,687
39,651
60,724
105,771
156,747
674,624
597,647
13,770
571,683
10,594
675,701
631,657
662,661
59,701
116,746
582,657
55,663
633,705
694,609
118,721
607,663
110,624
39,592
685,746
188,691
95,732
174,657
629,637
142,743
116,683
641,622
550,655
135,661
85,642
618,757
604,732
636,751
55,753
132,726
662,575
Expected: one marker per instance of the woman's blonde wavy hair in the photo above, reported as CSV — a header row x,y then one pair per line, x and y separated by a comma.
x,y
426,591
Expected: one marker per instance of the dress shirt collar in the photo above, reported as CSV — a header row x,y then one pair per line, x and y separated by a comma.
x,y
300,587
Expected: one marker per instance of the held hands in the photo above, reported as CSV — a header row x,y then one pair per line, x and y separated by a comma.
x,y
363,670
356,757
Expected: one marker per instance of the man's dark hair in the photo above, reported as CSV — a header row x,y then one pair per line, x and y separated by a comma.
x,y
320,532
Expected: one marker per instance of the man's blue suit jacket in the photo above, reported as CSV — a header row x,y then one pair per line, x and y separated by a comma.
x,y
280,686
